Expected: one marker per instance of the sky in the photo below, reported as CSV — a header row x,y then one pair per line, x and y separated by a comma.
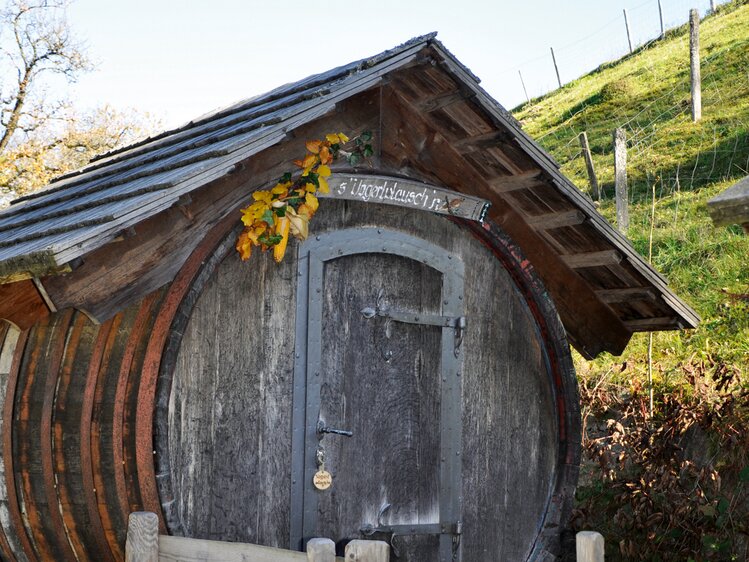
x,y
177,60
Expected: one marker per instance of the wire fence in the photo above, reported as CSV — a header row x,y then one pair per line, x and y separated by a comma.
x,y
664,147
608,41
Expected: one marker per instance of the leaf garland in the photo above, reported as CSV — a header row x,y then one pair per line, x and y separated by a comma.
x,y
287,208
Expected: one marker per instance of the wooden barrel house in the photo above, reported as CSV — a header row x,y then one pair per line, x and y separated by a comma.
x,y
415,346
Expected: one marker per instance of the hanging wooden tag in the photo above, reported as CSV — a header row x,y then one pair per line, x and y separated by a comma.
x,y
322,479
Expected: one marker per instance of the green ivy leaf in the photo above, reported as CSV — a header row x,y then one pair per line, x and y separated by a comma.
x,y
270,240
368,151
280,211
285,178
744,474
268,217
354,159
723,505
366,136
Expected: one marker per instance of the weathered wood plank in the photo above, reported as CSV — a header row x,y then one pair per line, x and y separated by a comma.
x,y
14,528
595,191
320,550
626,294
142,537
368,551
620,174
593,259
231,392
556,220
180,549
694,64
21,304
647,324
443,100
94,370
503,184
589,546
731,206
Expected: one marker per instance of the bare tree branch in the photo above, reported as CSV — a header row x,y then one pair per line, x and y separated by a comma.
x,y
42,44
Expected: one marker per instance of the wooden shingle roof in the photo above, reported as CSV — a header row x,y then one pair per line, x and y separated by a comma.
x,y
437,124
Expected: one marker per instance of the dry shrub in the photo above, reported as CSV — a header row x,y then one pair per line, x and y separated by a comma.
x,y
674,486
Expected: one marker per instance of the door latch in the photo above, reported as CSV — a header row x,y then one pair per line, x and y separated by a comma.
x,y
322,429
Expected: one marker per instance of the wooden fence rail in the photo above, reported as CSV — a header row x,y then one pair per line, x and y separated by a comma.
x,y
144,544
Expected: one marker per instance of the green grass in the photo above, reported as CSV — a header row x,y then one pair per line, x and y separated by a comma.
x,y
648,94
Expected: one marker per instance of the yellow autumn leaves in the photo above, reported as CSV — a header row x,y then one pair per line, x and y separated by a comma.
x,y
286,209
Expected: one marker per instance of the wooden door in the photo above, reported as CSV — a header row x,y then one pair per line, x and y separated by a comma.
x,y
377,393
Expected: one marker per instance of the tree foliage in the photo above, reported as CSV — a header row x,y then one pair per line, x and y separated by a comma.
x,y
43,135
70,144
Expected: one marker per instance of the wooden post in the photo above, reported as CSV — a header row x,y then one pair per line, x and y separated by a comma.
x,y
629,37
660,14
524,90
556,68
712,6
694,60
367,551
594,189
589,546
142,543
320,550
620,175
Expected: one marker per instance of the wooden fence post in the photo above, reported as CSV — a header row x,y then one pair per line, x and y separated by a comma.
x,y
556,68
629,37
620,175
589,546
367,551
524,90
594,189
320,550
660,15
694,64
712,6
142,543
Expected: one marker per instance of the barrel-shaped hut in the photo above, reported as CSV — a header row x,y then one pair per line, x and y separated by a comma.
x,y
403,374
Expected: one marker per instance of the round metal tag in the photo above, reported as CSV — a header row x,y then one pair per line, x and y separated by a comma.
x,y
322,480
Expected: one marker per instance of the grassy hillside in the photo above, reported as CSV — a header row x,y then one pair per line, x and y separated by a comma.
x,y
647,94
672,484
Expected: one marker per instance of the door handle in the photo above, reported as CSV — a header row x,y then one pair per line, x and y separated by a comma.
x,y
323,429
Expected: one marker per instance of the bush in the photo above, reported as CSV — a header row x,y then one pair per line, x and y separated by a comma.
x,y
674,486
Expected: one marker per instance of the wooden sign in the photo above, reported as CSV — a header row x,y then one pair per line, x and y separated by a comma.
x,y
322,479
406,193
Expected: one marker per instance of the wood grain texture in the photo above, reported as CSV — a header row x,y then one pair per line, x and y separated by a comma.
x,y
66,452
99,356
732,205
520,408
33,441
21,304
320,550
367,551
231,395
106,431
14,527
382,382
142,537
589,546
181,549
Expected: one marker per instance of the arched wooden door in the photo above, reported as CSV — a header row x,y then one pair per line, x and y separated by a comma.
x,y
378,376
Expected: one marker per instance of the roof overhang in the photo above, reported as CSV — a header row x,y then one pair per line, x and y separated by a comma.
x,y
433,123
